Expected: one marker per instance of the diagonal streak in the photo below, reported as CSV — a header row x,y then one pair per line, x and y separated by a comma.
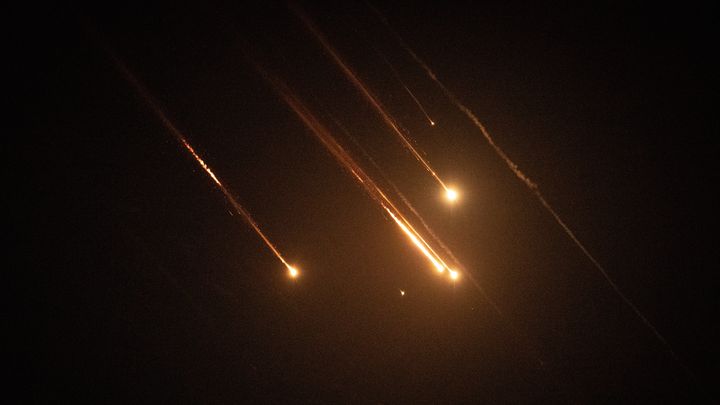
x,y
533,188
172,128
365,91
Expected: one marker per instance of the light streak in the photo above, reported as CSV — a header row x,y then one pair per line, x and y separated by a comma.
x,y
532,186
427,116
351,166
365,91
397,191
416,241
172,128
407,89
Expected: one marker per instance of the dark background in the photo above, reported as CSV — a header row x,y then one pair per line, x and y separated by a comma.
x,y
142,286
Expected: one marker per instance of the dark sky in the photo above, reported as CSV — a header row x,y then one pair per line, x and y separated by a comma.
x,y
145,287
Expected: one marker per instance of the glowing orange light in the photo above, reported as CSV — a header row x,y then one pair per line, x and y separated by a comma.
x,y
451,194
293,272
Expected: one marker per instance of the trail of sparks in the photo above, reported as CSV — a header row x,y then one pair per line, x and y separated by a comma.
x,y
416,241
407,89
365,91
397,191
430,121
348,163
170,126
533,188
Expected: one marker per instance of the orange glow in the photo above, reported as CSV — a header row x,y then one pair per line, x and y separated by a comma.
x,y
323,134
451,194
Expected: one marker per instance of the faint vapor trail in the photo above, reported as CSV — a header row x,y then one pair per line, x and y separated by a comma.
x,y
371,98
170,126
531,185
407,89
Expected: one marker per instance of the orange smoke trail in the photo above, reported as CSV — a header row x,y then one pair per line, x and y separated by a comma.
x,y
355,80
170,126
349,164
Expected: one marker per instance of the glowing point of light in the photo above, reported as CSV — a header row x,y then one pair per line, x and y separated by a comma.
x,y
293,272
402,292
451,195
454,274
432,123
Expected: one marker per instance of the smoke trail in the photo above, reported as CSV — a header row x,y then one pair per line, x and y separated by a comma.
x,y
532,186
170,126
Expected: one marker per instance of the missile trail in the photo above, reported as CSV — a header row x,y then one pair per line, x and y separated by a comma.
x,y
365,91
170,126
397,191
430,121
348,163
407,89
416,241
533,188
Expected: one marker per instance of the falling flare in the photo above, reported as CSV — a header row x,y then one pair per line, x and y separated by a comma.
x,y
436,261
533,188
397,191
170,126
407,89
348,163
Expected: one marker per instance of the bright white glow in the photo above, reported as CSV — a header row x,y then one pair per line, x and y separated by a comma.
x,y
454,274
402,292
451,195
293,272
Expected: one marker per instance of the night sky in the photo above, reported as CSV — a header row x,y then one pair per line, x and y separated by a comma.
x,y
141,284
